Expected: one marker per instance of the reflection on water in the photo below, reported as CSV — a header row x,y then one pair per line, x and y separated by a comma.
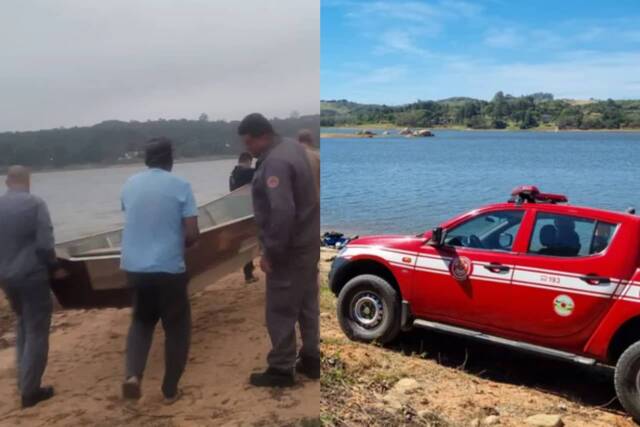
x,y
88,201
407,185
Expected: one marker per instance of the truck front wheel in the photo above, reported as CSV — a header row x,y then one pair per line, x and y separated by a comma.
x,y
369,309
627,380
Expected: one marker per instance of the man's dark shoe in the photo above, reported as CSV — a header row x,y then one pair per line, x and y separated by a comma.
x,y
44,393
170,400
131,388
309,367
273,378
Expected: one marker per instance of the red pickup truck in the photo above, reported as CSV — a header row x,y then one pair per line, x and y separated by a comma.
x,y
535,273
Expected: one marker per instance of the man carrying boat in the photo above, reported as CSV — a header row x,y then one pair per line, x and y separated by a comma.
x,y
26,256
160,221
242,175
287,213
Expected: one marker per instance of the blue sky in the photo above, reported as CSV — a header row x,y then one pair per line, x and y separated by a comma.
x,y
394,52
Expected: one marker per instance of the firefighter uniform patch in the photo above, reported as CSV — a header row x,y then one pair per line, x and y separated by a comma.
x,y
273,182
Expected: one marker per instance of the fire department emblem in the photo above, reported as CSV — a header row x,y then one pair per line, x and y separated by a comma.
x,y
461,268
563,305
273,182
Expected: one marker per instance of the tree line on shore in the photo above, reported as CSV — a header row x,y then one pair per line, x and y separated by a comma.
x,y
114,141
538,110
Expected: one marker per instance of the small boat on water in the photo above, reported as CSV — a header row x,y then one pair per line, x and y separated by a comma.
x,y
228,240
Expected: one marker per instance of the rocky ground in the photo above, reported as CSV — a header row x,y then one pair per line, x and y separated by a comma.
x,y
86,367
432,379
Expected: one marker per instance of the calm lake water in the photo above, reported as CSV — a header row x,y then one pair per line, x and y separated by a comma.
x,y
87,201
408,185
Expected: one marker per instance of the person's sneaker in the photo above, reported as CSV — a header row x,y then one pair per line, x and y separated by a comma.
x,y
131,388
309,367
250,280
273,378
173,399
44,393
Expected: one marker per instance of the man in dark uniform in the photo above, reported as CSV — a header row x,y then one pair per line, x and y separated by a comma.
x,y
287,212
27,255
241,175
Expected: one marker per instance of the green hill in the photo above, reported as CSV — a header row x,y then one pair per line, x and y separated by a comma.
x,y
535,111
116,141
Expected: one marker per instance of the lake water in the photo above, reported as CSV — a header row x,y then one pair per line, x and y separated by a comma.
x,y
87,201
407,185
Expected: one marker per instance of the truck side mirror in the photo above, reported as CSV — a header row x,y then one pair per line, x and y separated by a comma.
x,y
437,237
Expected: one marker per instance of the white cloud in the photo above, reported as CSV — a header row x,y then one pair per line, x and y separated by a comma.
x,y
404,26
411,11
564,35
383,75
503,38
586,74
462,8
400,41
67,63
577,75
570,58
631,36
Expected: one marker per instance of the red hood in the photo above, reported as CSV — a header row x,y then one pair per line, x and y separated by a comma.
x,y
389,241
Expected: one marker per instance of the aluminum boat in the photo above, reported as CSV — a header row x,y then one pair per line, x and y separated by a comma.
x,y
228,240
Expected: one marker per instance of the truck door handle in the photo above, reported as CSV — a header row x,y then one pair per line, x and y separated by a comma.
x,y
592,279
494,267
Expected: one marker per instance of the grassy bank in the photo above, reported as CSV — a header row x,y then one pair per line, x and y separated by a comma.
x,y
431,379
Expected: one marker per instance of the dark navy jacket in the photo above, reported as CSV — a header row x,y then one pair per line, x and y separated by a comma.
x,y
285,202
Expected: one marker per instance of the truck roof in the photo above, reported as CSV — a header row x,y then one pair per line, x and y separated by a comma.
x,y
530,197
569,209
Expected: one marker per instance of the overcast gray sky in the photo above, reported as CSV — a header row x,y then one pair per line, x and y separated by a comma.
x,y
79,62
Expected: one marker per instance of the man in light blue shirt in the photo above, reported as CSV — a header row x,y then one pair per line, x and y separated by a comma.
x,y
161,219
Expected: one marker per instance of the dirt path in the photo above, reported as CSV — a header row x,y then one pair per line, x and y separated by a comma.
x,y
229,342
6,323
433,379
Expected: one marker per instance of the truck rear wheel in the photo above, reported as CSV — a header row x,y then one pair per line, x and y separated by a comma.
x,y
627,380
369,309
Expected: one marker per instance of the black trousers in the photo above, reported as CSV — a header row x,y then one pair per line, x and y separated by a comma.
x,y
164,297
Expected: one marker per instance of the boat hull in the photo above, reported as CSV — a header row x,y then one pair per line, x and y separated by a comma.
x,y
94,278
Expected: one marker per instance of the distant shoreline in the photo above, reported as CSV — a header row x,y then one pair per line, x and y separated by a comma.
x,y
140,162
384,126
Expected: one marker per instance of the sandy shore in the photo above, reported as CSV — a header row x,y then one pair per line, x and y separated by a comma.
x,y
229,342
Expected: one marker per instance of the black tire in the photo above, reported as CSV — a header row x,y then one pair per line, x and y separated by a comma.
x,y
358,298
627,381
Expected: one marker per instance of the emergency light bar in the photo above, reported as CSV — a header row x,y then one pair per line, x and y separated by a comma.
x,y
531,194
